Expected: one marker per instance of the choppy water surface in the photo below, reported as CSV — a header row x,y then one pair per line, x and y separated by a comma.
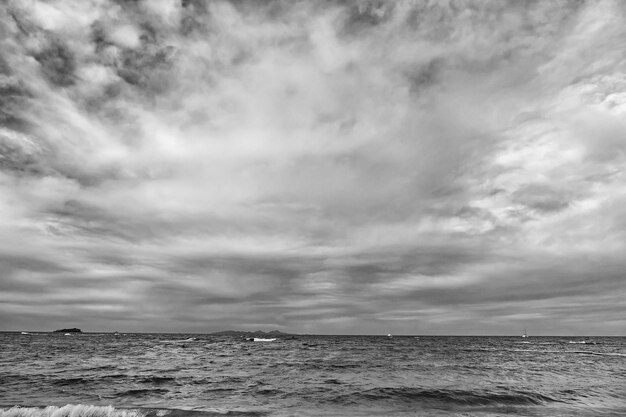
x,y
199,375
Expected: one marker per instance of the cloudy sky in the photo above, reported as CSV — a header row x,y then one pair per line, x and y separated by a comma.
x,y
410,167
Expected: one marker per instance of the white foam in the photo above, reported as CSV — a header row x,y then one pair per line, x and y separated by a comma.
x,y
70,410
190,339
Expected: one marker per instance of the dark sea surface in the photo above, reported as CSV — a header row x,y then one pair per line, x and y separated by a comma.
x,y
94,375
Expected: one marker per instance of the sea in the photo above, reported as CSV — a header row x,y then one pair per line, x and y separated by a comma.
x,y
191,375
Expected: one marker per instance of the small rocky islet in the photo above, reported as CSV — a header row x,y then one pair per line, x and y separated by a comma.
x,y
72,330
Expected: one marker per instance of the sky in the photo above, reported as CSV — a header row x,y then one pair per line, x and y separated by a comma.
x,y
333,167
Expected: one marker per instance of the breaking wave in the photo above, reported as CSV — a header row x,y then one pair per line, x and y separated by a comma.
x,y
82,410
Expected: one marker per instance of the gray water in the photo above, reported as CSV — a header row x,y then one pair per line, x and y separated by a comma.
x,y
52,375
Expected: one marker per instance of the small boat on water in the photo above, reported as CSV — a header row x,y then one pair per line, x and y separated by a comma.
x,y
261,339
25,333
525,334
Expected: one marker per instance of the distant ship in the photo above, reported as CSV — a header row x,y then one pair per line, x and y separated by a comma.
x,y
525,334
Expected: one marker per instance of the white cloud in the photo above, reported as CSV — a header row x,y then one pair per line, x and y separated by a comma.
x,y
302,158
126,36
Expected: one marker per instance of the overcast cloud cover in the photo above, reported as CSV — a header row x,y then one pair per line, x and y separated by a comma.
x,y
415,167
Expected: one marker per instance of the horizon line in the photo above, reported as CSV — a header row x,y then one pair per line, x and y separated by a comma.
x,y
217,333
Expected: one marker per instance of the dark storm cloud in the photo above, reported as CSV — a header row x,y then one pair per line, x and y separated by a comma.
x,y
540,197
357,167
57,64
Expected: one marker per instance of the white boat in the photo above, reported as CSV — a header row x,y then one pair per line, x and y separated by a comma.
x,y
525,334
25,333
260,339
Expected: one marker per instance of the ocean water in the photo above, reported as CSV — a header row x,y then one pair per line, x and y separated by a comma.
x,y
52,375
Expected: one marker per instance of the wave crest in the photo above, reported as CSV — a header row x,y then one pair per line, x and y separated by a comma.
x,y
83,410
448,397
70,410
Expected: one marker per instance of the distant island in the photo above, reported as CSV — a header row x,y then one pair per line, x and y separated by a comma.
x,y
249,334
72,330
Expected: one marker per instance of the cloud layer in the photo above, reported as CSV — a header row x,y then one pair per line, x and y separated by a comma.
x,y
362,167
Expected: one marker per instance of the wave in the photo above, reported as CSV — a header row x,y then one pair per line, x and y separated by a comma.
x,y
545,351
187,340
591,352
446,397
141,392
568,352
157,380
69,410
70,381
83,410
101,368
